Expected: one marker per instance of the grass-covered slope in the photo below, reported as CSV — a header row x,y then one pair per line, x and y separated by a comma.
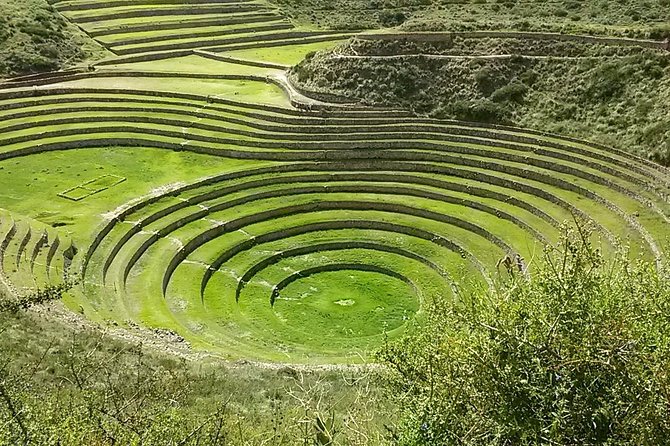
x,y
35,38
71,385
626,18
617,95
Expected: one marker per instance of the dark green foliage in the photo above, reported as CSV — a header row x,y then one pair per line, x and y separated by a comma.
x,y
478,110
391,18
514,92
579,354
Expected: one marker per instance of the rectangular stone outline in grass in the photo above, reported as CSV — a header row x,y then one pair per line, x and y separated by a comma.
x,y
91,187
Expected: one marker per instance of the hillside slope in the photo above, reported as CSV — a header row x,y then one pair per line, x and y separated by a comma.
x,y
639,18
35,38
618,96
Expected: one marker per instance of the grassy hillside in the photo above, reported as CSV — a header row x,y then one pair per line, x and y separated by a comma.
x,y
35,38
618,96
632,18
69,384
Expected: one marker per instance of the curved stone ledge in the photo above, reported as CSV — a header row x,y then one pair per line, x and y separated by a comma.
x,y
336,267
255,17
292,192
279,26
41,243
325,247
303,125
234,225
337,114
6,240
363,167
367,153
22,246
335,225
281,180
86,6
177,11
322,36
335,156
396,138
52,252
390,144
255,39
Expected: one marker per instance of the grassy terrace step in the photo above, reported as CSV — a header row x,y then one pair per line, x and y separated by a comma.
x,y
273,210
242,128
590,177
140,223
313,123
203,204
379,126
253,313
210,192
320,248
315,38
124,29
251,39
31,255
90,5
124,40
386,145
153,12
208,208
424,157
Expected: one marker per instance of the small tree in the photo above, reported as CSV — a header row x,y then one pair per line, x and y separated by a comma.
x,y
579,354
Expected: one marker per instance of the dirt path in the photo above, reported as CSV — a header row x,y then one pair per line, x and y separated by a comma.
x,y
463,56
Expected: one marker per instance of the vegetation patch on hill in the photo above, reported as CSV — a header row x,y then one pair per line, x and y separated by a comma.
x,y
35,38
638,18
619,96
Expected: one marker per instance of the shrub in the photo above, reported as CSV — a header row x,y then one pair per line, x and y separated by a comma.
x,y
514,91
478,111
391,18
579,354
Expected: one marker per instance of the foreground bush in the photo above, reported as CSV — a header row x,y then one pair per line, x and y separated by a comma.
x,y
579,354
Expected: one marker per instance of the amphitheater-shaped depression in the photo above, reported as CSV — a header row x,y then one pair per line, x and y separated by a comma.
x,y
206,204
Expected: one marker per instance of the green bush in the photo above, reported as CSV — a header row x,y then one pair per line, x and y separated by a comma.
x,y
579,354
514,92
389,18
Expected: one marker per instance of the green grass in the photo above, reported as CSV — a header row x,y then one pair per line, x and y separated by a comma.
x,y
168,397
288,55
243,90
348,240
430,187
